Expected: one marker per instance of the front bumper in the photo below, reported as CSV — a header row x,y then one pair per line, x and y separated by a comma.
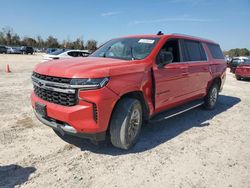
x,y
64,128
80,119
242,74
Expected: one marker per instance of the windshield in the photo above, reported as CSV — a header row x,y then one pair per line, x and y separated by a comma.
x,y
237,61
126,48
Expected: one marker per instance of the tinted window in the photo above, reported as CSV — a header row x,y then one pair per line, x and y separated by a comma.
x,y
237,61
173,47
73,54
83,54
194,51
215,51
57,52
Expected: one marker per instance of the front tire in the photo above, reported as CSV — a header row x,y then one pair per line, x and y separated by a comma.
x,y
212,96
126,121
238,77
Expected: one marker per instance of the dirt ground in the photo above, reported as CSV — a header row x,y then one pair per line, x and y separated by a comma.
x,y
196,149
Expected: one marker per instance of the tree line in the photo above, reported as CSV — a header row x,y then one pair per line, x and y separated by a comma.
x,y
10,38
236,52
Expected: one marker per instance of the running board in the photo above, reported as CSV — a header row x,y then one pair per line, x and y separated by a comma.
x,y
176,111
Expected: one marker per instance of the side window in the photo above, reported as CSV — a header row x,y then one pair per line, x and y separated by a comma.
x,y
215,51
173,46
83,54
194,51
73,54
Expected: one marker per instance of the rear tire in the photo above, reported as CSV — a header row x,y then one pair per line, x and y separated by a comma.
x,y
212,96
238,77
126,121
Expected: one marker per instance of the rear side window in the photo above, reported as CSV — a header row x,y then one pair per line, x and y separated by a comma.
x,y
194,51
73,54
83,54
215,51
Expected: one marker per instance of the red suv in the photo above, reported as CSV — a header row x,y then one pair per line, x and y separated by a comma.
x,y
126,82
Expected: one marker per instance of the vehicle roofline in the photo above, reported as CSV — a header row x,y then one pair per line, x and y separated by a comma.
x,y
178,35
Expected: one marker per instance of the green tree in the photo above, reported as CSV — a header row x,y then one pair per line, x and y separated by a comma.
x,y
238,52
27,41
91,45
244,52
2,38
40,42
52,42
8,32
16,41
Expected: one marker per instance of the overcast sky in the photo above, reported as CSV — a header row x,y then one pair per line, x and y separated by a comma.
x,y
226,21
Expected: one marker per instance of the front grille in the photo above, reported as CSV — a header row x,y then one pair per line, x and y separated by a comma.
x,y
54,93
52,78
55,97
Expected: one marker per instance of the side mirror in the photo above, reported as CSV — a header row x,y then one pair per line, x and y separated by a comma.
x,y
164,58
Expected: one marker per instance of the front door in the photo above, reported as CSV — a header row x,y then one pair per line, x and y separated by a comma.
x,y
171,81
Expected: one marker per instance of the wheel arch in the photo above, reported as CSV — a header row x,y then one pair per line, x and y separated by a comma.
x,y
137,94
217,80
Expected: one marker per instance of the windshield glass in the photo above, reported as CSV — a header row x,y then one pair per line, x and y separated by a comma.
x,y
126,48
237,61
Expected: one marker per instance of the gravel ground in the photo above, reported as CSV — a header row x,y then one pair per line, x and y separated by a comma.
x,y
196,149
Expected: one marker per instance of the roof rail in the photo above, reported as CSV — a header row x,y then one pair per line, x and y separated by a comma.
x,y
193,37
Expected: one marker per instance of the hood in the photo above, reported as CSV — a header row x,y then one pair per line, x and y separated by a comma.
x,y
49,56
89,67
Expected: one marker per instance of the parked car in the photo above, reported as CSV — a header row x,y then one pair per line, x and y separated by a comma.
x,y
3,50
27,50
64,53
125,83
13,50
243,70
228,60
235,62
51,50
38,50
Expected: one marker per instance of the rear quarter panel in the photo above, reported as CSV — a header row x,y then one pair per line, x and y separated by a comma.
x,y
217,68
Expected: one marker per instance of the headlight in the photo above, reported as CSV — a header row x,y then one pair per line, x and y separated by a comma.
x,y
88,83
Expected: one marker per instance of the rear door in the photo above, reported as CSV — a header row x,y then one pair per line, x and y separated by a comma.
x,y
171,80
198,66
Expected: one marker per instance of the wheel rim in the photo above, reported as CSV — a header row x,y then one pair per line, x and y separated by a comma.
x,y
134,124
214,96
